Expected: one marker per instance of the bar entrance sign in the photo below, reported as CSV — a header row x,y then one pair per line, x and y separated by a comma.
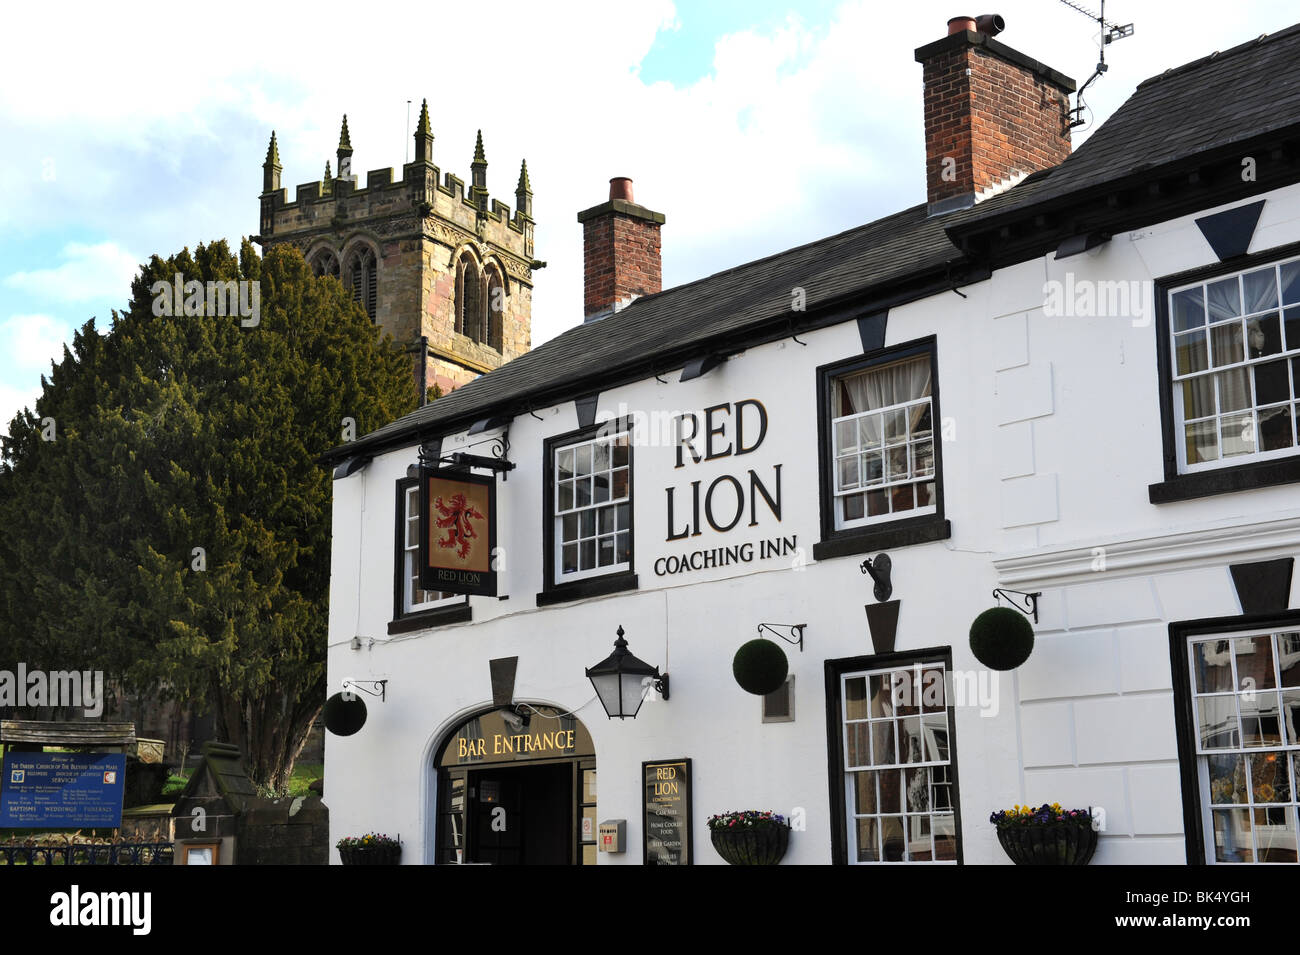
x,y
62,790
666,801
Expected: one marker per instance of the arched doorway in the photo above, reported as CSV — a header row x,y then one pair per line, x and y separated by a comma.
x,y
517,786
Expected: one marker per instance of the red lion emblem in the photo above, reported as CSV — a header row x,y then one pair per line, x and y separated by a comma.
x,y
455,520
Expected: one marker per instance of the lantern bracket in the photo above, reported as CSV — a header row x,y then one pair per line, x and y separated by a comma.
x,y
378,688
794,635
1030,601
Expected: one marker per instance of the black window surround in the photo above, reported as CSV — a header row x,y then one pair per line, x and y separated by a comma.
x,y
835,669
1185,723
409,621
595,586
1244,477
885,534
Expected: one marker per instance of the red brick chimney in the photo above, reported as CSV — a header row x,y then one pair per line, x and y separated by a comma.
x,y
992,115
621,252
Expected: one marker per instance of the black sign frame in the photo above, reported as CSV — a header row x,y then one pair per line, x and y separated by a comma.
x,y
476,583
688,829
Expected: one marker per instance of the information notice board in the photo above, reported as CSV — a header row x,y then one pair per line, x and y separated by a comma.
x,y
62,790
666,811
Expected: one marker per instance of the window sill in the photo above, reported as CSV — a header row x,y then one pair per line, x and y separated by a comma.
x,y
1246,477
591,587
921,530
426,619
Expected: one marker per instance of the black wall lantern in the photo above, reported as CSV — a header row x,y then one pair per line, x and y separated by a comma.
x,y
620,679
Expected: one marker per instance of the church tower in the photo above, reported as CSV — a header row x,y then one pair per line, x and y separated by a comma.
x,y
448,271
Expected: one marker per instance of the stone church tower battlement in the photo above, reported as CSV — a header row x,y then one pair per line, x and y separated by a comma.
x,y
444,268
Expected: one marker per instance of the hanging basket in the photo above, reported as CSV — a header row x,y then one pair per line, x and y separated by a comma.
x,y
760,667
367,855
1001,638
765,846
1065,844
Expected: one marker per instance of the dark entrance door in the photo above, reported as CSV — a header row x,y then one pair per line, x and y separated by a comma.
x,y
521,815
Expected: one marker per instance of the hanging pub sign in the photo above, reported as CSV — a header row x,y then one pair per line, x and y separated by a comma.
x,y
666,808
458,532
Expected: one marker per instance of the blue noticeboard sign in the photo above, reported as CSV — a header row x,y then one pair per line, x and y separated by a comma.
x,y
62,790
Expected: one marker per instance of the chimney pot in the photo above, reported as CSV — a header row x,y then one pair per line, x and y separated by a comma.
x,y
620,187
990,24
959,24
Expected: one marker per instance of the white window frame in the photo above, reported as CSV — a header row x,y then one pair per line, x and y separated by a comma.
x,y
411,557
1211,370
558,514
841,493
1289,739
851,770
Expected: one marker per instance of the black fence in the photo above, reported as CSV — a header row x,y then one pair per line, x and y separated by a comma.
x,y
120,853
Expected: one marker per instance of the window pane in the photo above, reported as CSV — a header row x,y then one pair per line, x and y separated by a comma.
x,y
600,456
621,451
586,555
1269,777
1202,442
1227,779
1237,434
566,464
858,739
1291,283
1261,289
902,497
869,431
1190,349
1218,722
864,793
1272,384
1264,335
868,840
925,495
570,561
933,691
569,528
582,492
855,698
1223,299
1234,389
1292,317
921,424
854,507
848,472
1232,835
945,838
1275,428
1198,397
895,426
877,503
873,469
620,484
582,459
846,435
899,468
588,524
883,752
1254,662
923,458
1188,309
1212,666
1227,344
1259,719
623,516
1276,838
918,790
891,790
605,551
934,732
1288,658
566,495
601,494
623,547
909,740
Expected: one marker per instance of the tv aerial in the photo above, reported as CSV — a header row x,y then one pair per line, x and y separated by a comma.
x,y
1110,32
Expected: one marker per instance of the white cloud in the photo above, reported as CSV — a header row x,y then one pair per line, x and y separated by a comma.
x,y
90,273
31,342
13,400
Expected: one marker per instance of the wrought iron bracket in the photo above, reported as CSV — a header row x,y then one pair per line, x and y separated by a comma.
x,y
795,636
378,688
1030,607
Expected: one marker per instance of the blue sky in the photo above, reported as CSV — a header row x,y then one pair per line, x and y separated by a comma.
x,y
753,126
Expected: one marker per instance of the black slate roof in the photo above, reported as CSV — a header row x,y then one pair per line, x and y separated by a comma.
x,y
1215,101
829,269
1224,98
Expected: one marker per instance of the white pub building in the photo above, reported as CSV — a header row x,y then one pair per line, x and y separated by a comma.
x,y
1072,377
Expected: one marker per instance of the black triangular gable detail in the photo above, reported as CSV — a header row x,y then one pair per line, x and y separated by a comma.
x,y
1229,233
502,672
1264,586
871,329
587,410
882,618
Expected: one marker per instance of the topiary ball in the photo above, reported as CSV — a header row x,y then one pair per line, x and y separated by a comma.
x,y
760,667
1001,638
343,717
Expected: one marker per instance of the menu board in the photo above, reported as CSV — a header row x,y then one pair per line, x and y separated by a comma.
x,y
666,805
